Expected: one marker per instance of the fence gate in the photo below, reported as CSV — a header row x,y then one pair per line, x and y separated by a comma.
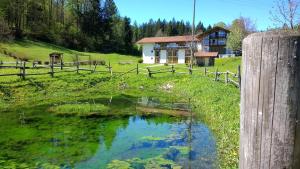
x,y
270,101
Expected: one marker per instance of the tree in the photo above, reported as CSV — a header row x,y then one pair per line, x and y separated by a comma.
x,y
128,36
200,27
239,29
285,12
220,24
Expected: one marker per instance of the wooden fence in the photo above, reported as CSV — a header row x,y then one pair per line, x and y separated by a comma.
x,y
53,68
270,104
228,76
64,67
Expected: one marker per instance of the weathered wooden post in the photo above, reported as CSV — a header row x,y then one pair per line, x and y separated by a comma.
x,y
239,76
110,69
52,67
205,71
270,101
216,75
61,64
173,70
149,71
77,64
23,70
226,77
137,69
190,70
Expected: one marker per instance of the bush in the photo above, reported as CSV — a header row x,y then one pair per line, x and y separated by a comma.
x,y
140,61
47,63
166,64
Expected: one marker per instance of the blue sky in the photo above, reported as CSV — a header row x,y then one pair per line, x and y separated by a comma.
x,y
208,11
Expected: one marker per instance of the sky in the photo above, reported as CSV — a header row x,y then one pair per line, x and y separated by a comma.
x,y
208,11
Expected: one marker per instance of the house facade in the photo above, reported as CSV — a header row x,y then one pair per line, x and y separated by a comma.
x,y
177,49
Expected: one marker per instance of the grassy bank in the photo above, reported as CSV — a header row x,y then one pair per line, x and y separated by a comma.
x,y
215,103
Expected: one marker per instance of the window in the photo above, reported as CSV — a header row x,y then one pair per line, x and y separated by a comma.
x,y
157,53
222,42
222,34
188,52
172,56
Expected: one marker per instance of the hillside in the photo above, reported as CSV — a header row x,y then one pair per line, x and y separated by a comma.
x,y
40,51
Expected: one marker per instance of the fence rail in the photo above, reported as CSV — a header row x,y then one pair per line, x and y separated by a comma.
x,y
64,67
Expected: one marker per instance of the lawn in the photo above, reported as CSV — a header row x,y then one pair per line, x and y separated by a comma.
x,y
216,103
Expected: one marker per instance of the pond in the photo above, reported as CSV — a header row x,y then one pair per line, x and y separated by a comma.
x,y
38,138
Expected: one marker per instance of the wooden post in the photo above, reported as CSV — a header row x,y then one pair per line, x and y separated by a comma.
x,y
216,75
149,71
137,69
270,101
173,70
52,67
205,71
61,64
110,69
226,77
95,67
77,64
190,70
23,70
17,63
239,76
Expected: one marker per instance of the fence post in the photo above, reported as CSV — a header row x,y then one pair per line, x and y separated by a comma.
x,y
173,70
226,77
216,75
137,69
77,64
149,71
95,67
110,69
205,71
239,76
17,63
61,64
52,67
190,70
270,96
23,70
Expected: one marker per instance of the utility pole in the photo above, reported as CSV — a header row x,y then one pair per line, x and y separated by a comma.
x,y
193,35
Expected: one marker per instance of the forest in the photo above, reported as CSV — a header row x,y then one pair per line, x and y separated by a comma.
x,y
84,25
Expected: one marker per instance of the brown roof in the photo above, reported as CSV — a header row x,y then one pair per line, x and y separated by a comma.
x,y
206,54
214,29
168,39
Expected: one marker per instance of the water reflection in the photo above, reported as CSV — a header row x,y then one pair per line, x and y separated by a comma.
x,y
145,139
37,138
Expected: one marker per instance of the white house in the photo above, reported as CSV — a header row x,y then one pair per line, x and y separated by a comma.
x,y
177,49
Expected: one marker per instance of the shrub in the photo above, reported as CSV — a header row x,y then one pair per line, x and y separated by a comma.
x,y
140,61
46,63
166,64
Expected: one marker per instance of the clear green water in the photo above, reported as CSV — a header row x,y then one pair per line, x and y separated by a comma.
x,y
36,138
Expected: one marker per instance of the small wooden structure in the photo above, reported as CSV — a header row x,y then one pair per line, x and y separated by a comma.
x,y
270,101
56,57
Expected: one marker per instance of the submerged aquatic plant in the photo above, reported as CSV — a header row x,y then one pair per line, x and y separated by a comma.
x,y
80,110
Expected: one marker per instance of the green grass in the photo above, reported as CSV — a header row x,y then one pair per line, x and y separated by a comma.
x,y
215,103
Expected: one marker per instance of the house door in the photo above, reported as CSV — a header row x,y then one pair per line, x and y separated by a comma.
x,y
157,56
173,56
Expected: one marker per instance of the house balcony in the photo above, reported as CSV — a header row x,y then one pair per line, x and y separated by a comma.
x,y
157,47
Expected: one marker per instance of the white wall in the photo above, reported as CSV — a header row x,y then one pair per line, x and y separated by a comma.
x,y
181,56
163,56
148,53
